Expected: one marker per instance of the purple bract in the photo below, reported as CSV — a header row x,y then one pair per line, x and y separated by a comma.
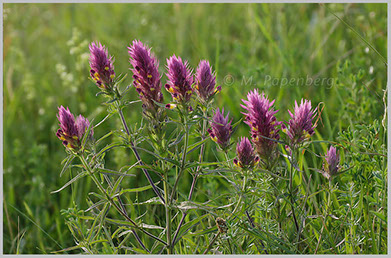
x,y
71,132
145,74
102,68
264,125
205,82
300,127
246,154
180,79
221,129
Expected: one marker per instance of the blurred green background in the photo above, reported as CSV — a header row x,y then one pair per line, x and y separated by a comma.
x,y
46,65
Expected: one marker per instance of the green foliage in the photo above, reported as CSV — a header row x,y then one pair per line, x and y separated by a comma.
x,y
250,46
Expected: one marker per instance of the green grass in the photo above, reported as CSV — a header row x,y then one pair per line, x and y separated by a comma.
x,y
46,65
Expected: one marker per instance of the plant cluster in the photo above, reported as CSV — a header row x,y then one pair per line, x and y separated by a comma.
x,y
274,156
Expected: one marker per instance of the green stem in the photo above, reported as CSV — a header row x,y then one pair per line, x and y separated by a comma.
x,y
229,245
89,170
278,204
240,197
211,243
168,215
200,158
227,159
291,195
136,153
182,167
121,115
325,219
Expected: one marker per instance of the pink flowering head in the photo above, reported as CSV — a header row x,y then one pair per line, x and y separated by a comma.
x,y
71,132
264,125
82,125
300,127
145,74
205,82
246,154
180,79
102,68
331,164
221,129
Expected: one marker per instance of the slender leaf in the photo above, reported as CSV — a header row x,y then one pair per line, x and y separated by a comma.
x,y
112,172
67,163
103,137
196,145
87,134
77,177
109,147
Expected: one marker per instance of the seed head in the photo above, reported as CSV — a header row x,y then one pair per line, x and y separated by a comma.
x,y
221,225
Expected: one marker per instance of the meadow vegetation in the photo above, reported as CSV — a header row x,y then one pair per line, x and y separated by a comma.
x,y
333,55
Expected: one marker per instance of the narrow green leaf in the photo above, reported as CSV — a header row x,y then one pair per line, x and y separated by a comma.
x,y
67,163
151,226
77,177
149,168
120,78
127,103
67,249
196,145
204,164
111,101
112,172
154,200
257,234
104,119
176,163
237,123
189,225
103,137
140,251
116,232
380,216
87,134
135,190
177,140
99,241
108,147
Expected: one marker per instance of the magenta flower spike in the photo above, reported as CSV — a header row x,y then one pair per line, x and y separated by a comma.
x,y
300,127
82,125
205,82
221,129
331,164
71,132
145,74
264,125
180,79
246,154
102,68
